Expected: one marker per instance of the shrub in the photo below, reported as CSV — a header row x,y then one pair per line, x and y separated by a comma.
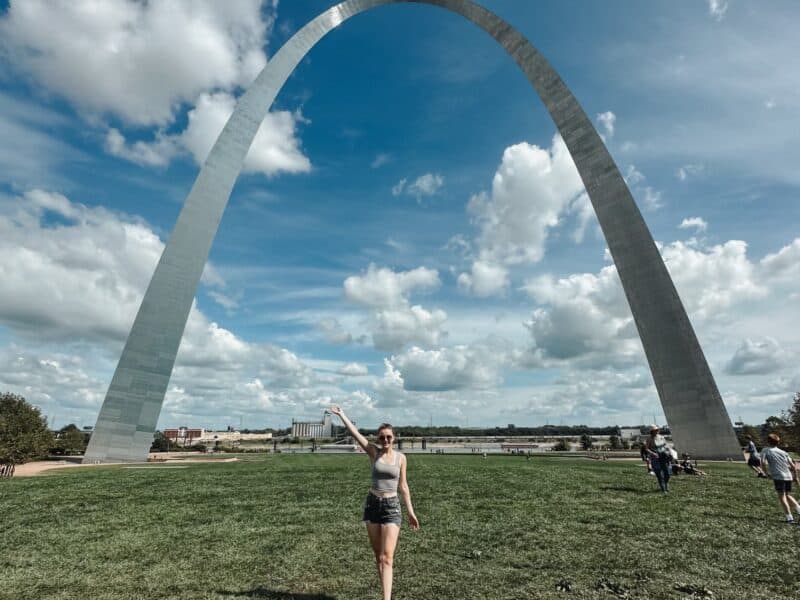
x,y
23,431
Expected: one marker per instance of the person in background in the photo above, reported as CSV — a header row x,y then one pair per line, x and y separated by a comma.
x,y
646,458
382,512
660,457
688,467
783,471
753,460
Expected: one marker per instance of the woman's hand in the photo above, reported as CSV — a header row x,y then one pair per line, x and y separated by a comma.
x,y
337,410
413,521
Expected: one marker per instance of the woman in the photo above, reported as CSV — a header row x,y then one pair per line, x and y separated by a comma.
x,y
382,510
660,457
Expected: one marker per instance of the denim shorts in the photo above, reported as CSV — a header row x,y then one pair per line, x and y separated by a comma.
x,y
385,511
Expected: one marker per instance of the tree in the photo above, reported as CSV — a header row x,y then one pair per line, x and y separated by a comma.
x,y
791,427
562,445
615,442
72,439
586,441
23,431
160,443
753,432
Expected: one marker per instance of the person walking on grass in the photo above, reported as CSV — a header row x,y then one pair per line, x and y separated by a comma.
x,y
753,460
660,457
382,512
782,471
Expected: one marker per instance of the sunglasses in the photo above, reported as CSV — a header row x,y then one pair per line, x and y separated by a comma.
x,y
387,438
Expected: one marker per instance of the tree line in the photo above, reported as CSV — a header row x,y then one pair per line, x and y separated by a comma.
x,y
25,436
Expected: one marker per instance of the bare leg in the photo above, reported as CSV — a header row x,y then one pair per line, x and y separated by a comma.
x,y
787,511
390,535
793,502
375,534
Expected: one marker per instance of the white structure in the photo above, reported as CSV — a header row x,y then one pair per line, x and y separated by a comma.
x,y
313,429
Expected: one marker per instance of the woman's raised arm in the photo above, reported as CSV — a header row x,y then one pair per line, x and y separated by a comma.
x,y
362,441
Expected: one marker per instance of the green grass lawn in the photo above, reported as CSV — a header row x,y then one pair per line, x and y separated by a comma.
x,y
288,527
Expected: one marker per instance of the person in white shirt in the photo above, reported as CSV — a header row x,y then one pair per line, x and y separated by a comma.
x,y
782,471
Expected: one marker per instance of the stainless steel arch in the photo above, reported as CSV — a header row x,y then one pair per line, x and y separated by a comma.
x,y
687,390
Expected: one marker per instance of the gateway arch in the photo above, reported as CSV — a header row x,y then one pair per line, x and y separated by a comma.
x,y
686,387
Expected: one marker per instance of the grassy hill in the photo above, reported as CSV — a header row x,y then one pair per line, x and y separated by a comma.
x,y
288,527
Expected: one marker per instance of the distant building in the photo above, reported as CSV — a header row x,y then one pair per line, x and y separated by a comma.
x,y
313,429
187,436
630,434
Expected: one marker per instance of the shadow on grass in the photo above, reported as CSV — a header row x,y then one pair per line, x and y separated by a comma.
x,y
625,488
265,594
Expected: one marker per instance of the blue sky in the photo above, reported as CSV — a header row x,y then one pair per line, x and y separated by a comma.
x,y
410,238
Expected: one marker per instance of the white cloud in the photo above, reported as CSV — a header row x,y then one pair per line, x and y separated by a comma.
x,y
84,278
275,148
607,120
424,185
158,153
530,190
138,61
382,287
459,367
394,328
78,275
485,279
717,9
353,370
696,223
782,266
586,317
757,357
394,322
710,280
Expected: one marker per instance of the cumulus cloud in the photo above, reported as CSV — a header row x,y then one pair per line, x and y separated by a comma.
x,y
138,61
275,148
394,321
476,366
393,328
424,185
353,370
782,266
484,280
382,287
607,120
697,223
78,274
530,190
712,279
757,357
585,318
